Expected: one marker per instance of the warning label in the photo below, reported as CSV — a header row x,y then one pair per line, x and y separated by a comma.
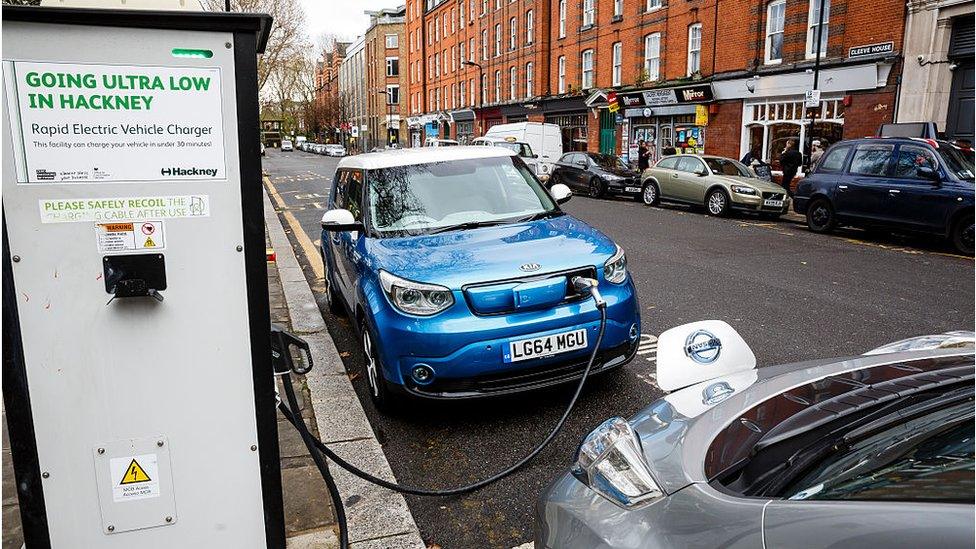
x,y
126,237
134,477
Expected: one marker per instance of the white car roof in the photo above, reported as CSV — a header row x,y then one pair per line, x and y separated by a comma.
x,y
420,155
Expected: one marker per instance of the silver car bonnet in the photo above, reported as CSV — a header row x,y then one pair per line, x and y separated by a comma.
x,y
677,430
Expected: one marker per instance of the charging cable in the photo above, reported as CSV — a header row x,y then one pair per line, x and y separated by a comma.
x,y
284,365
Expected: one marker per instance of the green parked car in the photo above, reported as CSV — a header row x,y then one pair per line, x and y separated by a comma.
x,y
719,184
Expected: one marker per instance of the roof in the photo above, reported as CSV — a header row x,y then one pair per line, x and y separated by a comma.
x,y
421,155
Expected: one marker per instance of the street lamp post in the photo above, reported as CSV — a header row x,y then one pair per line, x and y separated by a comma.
x,y
481,88
816,84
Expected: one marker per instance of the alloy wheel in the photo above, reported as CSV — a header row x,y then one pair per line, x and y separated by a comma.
x,y
370,364
820,215
716,203
594,188
650,194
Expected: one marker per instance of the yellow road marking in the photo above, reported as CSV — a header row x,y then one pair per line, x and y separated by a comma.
x,y
309,249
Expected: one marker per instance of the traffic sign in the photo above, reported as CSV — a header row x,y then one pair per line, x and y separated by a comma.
x,y
812,98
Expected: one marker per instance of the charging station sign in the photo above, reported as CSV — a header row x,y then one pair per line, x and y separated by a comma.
x,y
103,123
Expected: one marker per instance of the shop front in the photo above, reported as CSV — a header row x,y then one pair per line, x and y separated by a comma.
x,y
665,118
463,121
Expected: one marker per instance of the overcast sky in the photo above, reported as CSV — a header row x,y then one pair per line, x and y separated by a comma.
x,y
343,18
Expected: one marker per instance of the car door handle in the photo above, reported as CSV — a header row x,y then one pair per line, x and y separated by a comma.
x,y
674,176
842,187
893,191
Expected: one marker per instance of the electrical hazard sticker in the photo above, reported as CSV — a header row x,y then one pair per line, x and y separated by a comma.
x,y
129,236
134,477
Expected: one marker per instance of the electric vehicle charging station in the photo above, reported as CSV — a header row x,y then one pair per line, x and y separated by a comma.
x,y
137,374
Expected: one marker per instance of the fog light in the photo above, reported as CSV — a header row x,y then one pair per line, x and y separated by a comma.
x,y
422,374
633,331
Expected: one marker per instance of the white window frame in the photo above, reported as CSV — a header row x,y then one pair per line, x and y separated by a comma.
x,y
388,65
589,13
498,86
618,8
461,92
561,72
587,75
618,52
484,88
471,91
812,22
453,94
774,27
461,57
694,48
498,39
471,49
513,34
453,20
529,27
652,5
396,41
484,44
562,18
390,89
512,83
437,29
652,56
529,79
461,15
453,59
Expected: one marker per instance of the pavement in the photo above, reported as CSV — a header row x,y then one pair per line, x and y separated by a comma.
x,y
792,294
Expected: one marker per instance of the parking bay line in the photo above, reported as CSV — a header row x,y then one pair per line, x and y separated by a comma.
x,y
311,253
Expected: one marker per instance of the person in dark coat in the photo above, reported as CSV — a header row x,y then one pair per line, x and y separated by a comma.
x,y
790,160
669,151
643,156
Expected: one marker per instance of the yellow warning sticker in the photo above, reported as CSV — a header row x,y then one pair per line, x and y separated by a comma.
x,y
134,477
135,473
126,237
149,243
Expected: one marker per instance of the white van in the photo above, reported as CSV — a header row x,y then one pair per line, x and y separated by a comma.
x,y
545,139
523,149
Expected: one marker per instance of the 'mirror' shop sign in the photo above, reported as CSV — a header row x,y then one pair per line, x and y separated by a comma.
x,y
101,123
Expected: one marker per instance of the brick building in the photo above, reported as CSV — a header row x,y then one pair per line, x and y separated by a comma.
x,y
385,60
327,88
720,76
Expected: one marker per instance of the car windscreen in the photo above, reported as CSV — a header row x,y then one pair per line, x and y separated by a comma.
x,y
959,161
928,458
523,149
407,200
726,166
608,161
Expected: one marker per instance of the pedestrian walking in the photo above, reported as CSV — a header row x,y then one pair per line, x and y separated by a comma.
x,y
816,151
790,161
643,156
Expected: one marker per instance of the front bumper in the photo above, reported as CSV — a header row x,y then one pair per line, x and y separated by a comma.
x,y
464,350
750,203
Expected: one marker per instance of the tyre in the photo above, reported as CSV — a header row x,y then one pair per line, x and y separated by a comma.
x,y
553,180
650,194
379,388
962,235
333,300
595,188
717,203
820,216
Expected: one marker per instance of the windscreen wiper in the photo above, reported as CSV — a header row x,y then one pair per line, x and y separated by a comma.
x,y
466,225
539,215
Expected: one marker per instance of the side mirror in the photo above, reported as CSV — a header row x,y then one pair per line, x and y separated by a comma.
x,y
561,193
581,163
340,220
928,173
702,173
534,156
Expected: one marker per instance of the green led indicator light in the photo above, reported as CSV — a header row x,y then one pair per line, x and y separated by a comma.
x,y
196,54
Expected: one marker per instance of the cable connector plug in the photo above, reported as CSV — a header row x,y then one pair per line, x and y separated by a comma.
x,y
589,285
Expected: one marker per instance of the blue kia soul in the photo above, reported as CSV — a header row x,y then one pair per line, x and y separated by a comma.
x,y
456,265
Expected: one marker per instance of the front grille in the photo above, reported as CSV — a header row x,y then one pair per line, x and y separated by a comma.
x,y
773,196
571,295
520,380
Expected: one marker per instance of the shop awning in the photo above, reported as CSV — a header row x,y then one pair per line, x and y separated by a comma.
x,y
866,76
463,115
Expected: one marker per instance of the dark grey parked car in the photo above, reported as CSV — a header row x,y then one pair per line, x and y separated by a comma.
x,y
869,451
596,175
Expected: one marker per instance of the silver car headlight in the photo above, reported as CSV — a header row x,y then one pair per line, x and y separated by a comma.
x,y
615,269
416,298
611,462
742,189
961,339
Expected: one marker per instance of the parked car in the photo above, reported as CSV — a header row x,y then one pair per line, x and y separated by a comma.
x,y
909,184
334,149
456,265
869,451
434,142
287,146
546,140
596,174
719,184
522,149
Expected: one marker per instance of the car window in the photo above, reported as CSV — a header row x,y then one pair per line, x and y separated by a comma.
x,y
959,161
339,189
669,163
834,161
354,193
871,159
726,166
690,164
608,161
566,158
912,157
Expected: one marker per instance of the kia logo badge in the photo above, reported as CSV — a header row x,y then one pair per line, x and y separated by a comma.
x,y
530,267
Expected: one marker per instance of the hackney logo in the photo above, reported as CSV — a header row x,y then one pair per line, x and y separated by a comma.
x,y
703,347
188,172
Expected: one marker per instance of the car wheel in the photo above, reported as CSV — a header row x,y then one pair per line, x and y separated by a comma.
x,y
820,216
962,235
333,300
553,179
378,386
717,203
650,195
595,188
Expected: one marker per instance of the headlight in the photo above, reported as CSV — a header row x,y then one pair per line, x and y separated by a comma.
x,y
742,189
950,340
416,298
611,462
615,269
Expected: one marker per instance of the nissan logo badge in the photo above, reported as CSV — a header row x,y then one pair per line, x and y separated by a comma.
x,y
530,267
703,347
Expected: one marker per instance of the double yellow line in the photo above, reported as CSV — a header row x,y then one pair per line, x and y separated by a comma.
x,y
308,248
